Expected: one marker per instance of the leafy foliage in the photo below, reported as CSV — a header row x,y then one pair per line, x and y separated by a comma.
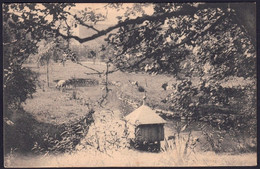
x,y
162,45
19,82
200,49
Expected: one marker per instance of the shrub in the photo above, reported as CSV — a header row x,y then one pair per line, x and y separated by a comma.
x,y
182,145
21,86
141,89
107,134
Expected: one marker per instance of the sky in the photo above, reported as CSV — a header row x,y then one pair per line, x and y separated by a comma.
x,y
111,18
111,13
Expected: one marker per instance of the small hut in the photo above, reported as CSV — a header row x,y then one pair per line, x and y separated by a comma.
x,y
145,127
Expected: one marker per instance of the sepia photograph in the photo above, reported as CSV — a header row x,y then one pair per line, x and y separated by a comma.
x,y
129,84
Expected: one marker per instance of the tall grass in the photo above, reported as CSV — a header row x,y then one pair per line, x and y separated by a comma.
x,y
130,158
182,146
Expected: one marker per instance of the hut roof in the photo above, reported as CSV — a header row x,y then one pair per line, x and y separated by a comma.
x,y
144,115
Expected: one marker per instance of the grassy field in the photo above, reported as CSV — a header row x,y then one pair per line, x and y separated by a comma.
x,y
130,158
58,107
49,105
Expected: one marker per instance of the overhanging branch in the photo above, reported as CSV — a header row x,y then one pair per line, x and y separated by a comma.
x,y
84,24
188,10
96,71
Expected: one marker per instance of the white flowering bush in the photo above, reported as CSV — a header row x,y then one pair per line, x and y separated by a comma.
x,y
108,132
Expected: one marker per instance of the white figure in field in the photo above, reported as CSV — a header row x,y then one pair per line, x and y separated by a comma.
x,y
61,84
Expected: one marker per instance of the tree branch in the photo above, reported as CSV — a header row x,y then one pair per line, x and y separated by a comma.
x,y
97,72
202,33
188,10
84,24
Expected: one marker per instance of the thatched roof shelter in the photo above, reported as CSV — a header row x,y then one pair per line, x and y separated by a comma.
x,y
144,125
144,115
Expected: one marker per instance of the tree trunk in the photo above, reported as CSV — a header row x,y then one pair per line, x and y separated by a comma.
x,y
107,77
246,16
47,73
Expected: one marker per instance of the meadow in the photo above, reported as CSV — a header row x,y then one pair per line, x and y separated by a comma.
x,y
52,106
131,158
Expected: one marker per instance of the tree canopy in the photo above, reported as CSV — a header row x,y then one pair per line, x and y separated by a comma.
x,y
207,40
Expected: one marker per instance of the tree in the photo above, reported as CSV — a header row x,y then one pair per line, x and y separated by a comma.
x,y
44,56
197,44
19,82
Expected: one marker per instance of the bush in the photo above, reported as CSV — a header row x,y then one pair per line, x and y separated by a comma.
x,y
227,111
21,86
107,133
182,145
141,89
